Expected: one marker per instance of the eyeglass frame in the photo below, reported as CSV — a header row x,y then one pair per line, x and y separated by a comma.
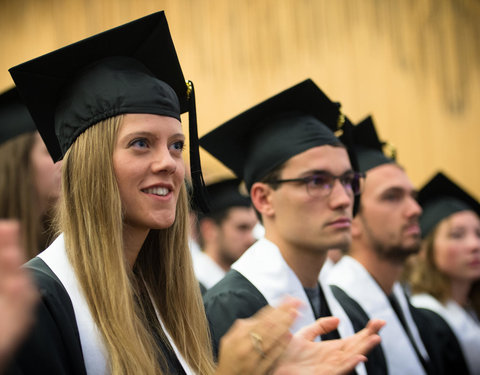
x,y
360,176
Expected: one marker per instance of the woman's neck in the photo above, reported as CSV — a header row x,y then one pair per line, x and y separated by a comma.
x,y
133,239
460,291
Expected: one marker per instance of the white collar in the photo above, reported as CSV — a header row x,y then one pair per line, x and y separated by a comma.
x,y
353,278
263,265
93,348
466,329
207,271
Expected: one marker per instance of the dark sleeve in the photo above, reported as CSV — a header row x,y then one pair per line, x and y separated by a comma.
x,y
203,288
234,297
443,348
53,345
376,364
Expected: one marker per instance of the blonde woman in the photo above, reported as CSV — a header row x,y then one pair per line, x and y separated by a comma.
x,y
446,276
29,179
119,295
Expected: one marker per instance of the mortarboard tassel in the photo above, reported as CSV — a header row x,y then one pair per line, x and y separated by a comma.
x,y
199,196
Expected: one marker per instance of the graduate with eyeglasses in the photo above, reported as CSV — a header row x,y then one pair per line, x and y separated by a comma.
x,y
302,185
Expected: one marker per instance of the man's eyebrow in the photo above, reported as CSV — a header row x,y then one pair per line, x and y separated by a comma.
x,y
401,189
321,171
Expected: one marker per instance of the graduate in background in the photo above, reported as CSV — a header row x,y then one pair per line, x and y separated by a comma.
x,y
445,277
29,179
226,231
385,232
301,182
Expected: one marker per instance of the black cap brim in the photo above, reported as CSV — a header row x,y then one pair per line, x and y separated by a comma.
x,y
440,198
266,135
15,119
40,81
225,194
368,147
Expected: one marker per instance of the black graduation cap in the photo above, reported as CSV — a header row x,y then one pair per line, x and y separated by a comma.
x,y
14,116
255,142
440,198
132,68
225,194
368,147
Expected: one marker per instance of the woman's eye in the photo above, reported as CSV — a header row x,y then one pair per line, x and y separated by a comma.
x,y
179,146
456,234
140,143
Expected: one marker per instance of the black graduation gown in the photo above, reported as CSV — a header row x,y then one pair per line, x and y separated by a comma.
x,y
440,341
235,297
53,346
441,344
232,298
376,363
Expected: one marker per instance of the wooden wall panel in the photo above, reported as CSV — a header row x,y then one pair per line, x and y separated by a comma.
x,y
413,64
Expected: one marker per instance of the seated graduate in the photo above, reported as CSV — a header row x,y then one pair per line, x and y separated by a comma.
x,y
29,179
302,184
445,276
225,232
385,233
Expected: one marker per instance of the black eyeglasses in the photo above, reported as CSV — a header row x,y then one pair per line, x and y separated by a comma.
x,y
321,184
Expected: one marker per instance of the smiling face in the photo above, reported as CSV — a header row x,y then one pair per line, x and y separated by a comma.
x,y
149,169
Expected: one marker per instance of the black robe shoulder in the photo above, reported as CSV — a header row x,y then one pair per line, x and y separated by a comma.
x,y
53,344
232,298
376,363
235,297
441,343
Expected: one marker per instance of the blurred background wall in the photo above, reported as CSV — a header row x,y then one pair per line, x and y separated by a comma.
x,y
413,64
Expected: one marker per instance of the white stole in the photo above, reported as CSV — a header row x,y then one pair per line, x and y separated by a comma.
x,y
263,265
207,271
353,278
466,329
94,352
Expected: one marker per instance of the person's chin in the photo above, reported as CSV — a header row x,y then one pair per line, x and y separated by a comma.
x,y
163,222
412,245
342,241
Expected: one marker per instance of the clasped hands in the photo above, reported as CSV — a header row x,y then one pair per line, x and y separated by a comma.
x,y
263,344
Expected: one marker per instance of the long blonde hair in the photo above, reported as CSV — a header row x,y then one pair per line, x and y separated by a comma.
x,y
18,194
90,215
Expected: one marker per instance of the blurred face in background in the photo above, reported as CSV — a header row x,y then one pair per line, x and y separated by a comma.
x,y
235,233
457,246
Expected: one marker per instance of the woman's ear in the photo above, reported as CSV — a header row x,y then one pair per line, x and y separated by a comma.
x,y
261,196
